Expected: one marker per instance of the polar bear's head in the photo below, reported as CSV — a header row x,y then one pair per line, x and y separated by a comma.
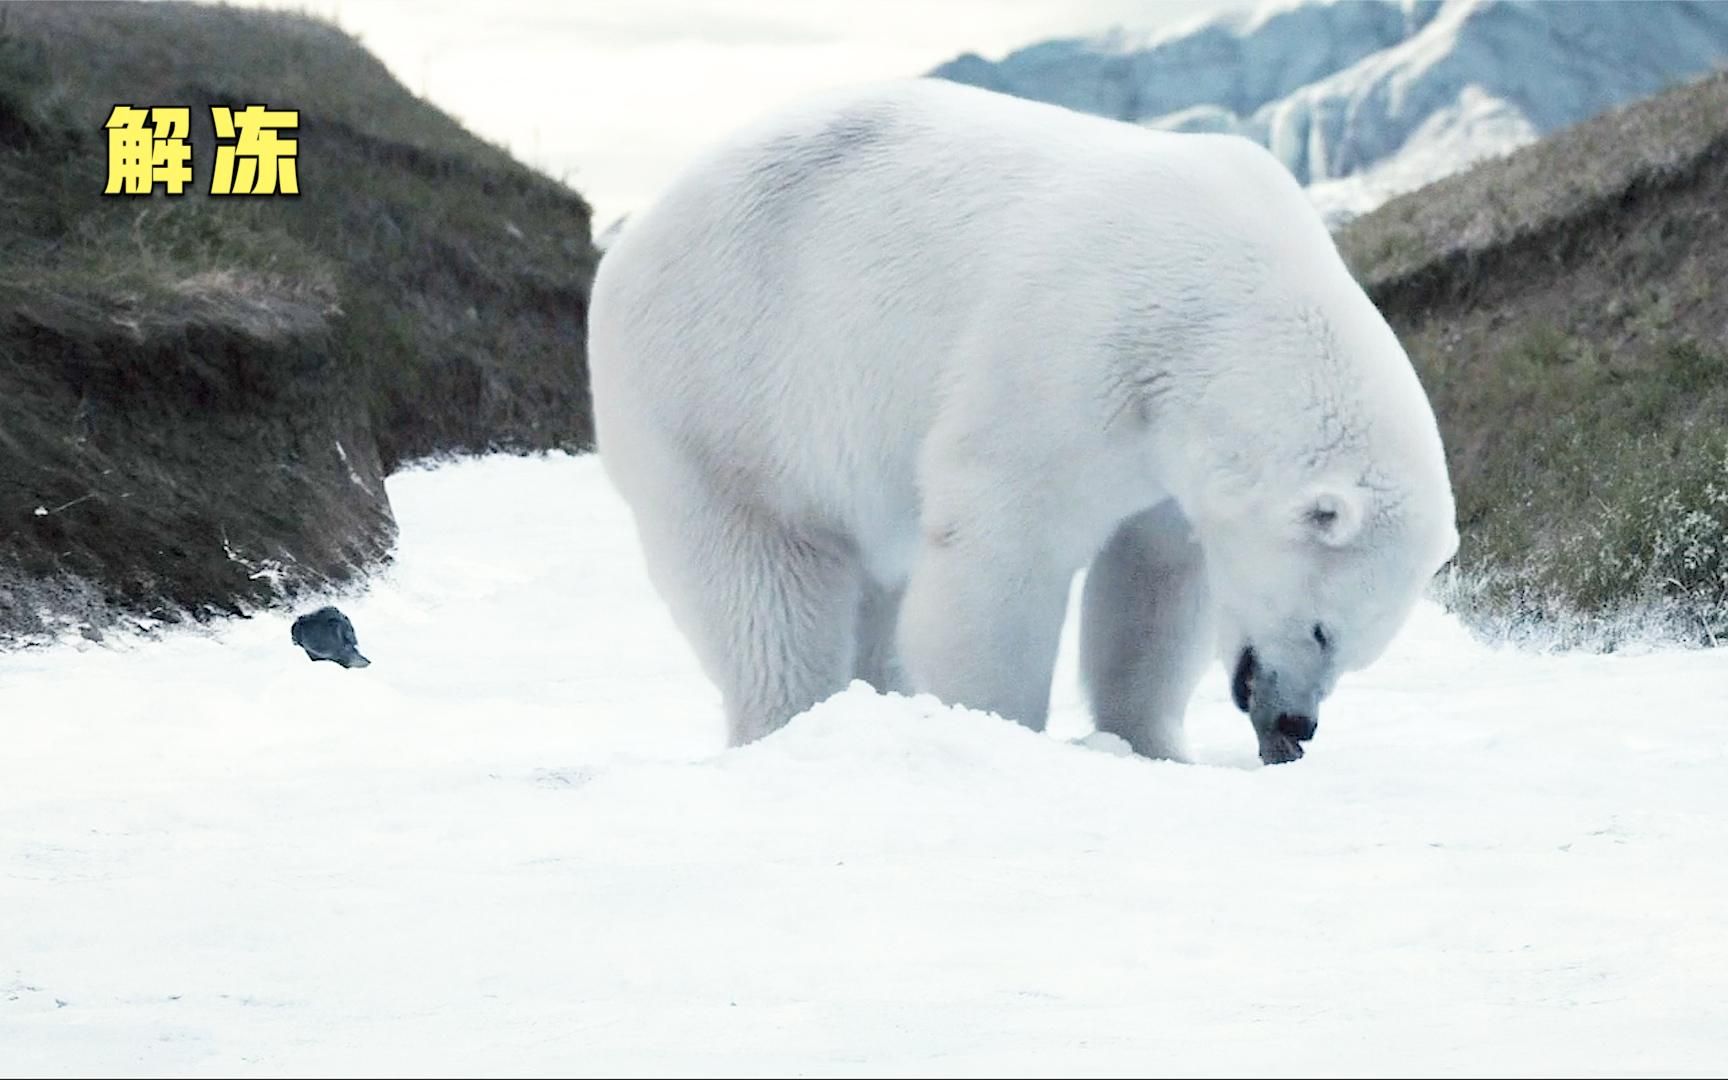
x,y
1314,581
1315,479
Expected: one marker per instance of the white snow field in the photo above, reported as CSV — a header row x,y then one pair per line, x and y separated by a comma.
x,y
514,844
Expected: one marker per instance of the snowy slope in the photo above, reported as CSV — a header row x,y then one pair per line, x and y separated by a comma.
x,y
514,844
1364,100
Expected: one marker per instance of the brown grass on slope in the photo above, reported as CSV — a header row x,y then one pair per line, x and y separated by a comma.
x,y
200,397
1566,308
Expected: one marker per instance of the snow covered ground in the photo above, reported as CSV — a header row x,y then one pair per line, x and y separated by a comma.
x,y
514,843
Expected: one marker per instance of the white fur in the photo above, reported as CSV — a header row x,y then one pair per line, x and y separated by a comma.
x,y
928,350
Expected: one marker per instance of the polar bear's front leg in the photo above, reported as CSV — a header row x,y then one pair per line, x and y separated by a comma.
x,y
878,660
981,619
1146,630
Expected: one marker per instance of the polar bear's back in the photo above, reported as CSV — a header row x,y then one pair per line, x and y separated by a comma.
x,y
862,247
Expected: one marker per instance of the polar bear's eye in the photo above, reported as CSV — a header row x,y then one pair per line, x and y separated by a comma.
x,y
1320,637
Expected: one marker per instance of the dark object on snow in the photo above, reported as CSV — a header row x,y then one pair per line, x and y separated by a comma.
x,y
326,634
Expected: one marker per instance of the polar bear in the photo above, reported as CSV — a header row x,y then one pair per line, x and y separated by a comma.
x,y
879,375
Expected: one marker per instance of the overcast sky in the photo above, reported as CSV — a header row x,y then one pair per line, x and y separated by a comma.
x,y
613,95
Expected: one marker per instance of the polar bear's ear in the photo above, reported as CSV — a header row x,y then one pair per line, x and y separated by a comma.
x,y
1332,515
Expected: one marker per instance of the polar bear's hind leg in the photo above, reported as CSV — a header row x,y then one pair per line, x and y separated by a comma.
x,y
770,607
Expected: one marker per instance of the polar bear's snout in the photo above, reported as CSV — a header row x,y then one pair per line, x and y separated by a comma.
x,y
1281,722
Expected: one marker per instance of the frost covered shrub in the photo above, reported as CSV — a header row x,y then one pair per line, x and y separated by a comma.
x,y
1646,561
1664,546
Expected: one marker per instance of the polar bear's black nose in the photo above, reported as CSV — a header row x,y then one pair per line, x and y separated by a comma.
x,y
1300,728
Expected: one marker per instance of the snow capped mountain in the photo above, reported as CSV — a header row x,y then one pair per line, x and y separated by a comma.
x,y
1365,100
